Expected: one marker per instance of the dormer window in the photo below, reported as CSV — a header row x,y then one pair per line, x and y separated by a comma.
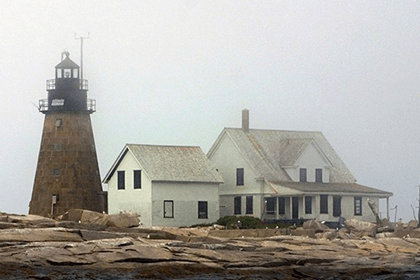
x,y
302,175
318,175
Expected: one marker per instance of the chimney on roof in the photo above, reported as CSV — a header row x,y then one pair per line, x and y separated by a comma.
x,y
245,120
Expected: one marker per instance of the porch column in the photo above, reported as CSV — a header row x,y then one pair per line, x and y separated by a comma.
x,y
304,207
387,208
290,207
277,208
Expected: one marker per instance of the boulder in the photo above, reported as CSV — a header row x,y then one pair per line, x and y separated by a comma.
x,y
315,225
384,235
328,234
412,224
300,231
40,235
29,219
385,229
74,215
360,228
343,233
122,220
91,217
386,223
4,225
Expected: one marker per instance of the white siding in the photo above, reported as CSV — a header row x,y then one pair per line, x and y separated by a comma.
x,y
226,159
186,197
310,159
130,199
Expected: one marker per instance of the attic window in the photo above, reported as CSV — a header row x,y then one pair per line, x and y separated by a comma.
x,y
302,175
239,176
318,175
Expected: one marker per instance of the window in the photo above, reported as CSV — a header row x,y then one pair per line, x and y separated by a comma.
x,y
59,73
302,174
58,122
324,204
202,210
168,208
357,206
239,176
308,204
75,73
57,172
137,179
282,205
336,206
270,204
67,73
121,180
249,205
318,175
237,205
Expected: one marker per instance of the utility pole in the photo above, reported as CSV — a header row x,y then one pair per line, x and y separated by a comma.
x,y
81,57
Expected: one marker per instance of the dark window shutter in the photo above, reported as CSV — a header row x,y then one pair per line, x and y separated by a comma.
x,y
336,206
121,180
308,204
137,179
249,205
282,205
318,175
239,176
324,204
302,175
237,205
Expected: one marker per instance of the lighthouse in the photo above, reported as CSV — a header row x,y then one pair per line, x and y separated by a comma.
x,y
67,174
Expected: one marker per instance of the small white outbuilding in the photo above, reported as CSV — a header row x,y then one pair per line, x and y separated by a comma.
x,y
165,185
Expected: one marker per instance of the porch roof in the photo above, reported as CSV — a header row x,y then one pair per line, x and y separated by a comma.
x,y
312,187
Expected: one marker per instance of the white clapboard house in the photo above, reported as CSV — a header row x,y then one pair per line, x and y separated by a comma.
x,y
165,185
287,175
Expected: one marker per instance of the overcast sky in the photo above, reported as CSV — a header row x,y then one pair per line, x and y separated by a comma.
x,y
177,72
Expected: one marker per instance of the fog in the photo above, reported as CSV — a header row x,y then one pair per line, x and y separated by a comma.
x,y
177,72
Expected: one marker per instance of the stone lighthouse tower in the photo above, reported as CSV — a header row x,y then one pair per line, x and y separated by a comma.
x,y
67,174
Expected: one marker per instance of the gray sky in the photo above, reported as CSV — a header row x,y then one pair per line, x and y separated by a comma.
x,y
177,72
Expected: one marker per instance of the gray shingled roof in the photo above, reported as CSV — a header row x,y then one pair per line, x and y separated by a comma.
x,y
175,163
291,150
309,187
263,151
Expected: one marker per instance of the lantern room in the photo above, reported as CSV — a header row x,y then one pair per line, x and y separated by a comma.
x,y
66,69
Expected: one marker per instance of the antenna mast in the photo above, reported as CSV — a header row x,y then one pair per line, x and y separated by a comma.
x,y
81,57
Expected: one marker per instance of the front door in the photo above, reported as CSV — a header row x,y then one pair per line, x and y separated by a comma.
x,y
295,207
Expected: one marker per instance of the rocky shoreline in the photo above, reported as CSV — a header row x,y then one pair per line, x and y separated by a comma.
x,y
33,247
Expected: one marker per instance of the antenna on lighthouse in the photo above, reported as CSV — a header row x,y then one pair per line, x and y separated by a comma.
x,y
81,56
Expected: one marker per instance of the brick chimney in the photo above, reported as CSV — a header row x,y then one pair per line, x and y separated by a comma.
x,y
245,120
